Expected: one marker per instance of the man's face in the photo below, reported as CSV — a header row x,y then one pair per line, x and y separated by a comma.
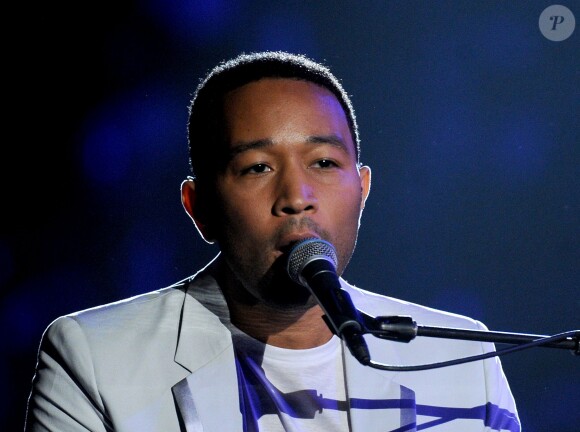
x,y
291,173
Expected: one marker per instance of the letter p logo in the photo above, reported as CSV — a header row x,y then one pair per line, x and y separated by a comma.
x,y
557,23
557,20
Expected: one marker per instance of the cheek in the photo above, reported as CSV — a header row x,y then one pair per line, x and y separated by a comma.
x,y
350,199
244,216
346,212
245,205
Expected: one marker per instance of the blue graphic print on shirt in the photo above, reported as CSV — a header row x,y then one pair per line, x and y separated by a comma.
x,y
259,397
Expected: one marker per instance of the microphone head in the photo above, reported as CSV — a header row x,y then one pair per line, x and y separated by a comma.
x,y
306,251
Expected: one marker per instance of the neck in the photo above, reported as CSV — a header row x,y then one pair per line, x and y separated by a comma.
x,y
288,328
295,326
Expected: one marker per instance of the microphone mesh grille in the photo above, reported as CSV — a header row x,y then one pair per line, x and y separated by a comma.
x,y
307,250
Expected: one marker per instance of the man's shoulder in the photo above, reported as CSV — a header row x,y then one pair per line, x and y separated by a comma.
x,y
142,311
166,297
375,304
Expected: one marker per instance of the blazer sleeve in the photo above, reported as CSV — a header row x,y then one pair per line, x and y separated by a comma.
x,y
64,395
501,411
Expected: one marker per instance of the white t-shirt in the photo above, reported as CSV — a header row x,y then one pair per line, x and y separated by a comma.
x,y
291,390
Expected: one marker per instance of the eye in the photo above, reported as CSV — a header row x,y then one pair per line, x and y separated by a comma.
x,y
325,163
257,169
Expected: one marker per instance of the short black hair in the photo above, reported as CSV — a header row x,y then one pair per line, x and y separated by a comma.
x,y
205,128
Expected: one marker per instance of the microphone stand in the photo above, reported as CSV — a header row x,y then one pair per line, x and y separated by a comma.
x,y
402,328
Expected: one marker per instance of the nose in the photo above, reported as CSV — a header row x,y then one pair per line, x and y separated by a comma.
x,y
295,193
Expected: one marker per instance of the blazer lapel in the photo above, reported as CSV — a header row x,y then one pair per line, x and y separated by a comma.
x,y
205,349
208,391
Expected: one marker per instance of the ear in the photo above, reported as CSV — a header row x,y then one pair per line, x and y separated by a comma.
x,y
192,205
365,184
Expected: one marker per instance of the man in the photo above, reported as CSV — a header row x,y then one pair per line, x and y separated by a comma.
x,y
240,346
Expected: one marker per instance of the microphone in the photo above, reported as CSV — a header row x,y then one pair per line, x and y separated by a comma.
x,y
312,263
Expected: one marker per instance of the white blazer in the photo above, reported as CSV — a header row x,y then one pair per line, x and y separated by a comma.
x,y
164,362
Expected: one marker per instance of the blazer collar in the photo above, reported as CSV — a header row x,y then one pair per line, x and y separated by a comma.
x,y
206,399
203,335
205,349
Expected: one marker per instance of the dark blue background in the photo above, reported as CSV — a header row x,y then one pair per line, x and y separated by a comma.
x,y
468,117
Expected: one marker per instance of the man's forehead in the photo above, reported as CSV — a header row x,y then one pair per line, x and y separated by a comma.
x,y
332,140
255,110
282,99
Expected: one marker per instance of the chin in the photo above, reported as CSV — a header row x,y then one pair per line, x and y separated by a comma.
x,y
277,290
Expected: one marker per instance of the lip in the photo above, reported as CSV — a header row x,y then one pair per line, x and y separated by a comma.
x,y
288,241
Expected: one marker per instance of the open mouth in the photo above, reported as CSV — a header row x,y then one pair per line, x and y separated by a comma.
x,y
288,242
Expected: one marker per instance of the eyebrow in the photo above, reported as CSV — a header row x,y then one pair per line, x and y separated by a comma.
x,y
333,140
242,147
